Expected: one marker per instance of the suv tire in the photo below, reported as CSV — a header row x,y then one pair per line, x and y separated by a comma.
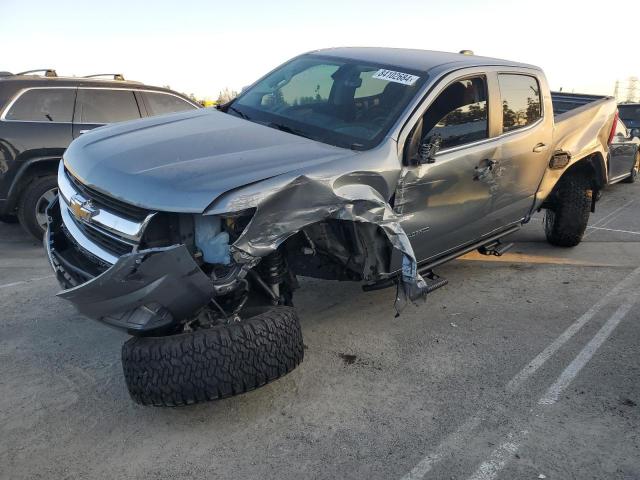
x,y
215,362
566,221
33,203
8,219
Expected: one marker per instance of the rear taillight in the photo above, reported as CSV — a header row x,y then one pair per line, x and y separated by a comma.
x,y
613,128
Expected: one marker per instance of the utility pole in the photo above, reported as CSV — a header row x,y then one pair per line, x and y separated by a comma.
x,y
616,90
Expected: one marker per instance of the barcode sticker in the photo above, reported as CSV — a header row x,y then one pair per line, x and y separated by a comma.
x,y
398,77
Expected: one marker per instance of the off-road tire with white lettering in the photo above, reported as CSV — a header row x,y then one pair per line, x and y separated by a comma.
x,y
213,363
565,221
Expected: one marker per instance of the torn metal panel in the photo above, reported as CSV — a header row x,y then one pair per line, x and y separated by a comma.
x,y
305,201
150,279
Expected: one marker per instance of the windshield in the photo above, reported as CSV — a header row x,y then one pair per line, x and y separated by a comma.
x,y
336,101
630,114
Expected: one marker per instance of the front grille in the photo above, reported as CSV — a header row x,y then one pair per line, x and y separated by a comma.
x,y
101,200
110,244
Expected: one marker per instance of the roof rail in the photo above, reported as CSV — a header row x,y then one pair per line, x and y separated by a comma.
x,y
116,76
6,74
48,72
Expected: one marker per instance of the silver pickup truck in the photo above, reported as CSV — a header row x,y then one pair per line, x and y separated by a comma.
x,y
372,165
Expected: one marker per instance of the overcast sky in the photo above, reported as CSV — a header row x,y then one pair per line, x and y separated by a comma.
x,y
198,46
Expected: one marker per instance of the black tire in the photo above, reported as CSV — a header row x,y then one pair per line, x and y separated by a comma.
x,y
8,219
33,202
210,364
634,170
566,220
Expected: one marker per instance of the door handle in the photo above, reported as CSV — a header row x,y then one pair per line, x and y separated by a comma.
x,y
540,147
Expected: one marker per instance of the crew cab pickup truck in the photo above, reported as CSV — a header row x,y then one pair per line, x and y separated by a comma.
x,y
371,165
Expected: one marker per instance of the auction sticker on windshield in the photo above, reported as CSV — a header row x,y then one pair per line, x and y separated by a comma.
x,y
398,77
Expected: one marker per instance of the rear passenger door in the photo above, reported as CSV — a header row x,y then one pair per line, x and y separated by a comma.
x,y
525,132
100,106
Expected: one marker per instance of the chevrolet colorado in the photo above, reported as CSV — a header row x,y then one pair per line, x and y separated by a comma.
x,y
363,164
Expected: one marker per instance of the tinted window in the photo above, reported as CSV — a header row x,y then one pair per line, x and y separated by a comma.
x,y
44,105
106,106
521,104
630,114
459,114
338,101
161,103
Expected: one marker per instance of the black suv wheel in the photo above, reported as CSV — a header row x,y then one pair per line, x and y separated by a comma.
x,y
34,202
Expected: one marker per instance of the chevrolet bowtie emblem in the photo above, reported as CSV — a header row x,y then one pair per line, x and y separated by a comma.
x,y
81,208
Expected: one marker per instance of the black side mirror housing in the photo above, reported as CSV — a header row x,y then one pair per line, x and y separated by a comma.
x,y
634,133
428,149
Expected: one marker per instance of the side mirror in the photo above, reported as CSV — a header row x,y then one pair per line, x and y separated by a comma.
x,y
427,151
634,133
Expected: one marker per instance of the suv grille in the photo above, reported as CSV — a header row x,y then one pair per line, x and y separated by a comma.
x,y
102,200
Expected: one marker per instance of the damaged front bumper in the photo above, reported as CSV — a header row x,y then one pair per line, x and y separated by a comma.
x,y
145,292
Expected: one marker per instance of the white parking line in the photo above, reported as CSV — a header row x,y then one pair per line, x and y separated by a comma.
x,y
611,216
585,355
22,282
496,461
463,432
501,456
615,230
565,336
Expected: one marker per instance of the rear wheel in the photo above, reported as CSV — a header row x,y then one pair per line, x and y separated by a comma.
x,y
634,170
212,363
565,221
34,202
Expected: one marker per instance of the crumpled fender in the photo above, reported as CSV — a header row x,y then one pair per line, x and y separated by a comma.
x,y
305,201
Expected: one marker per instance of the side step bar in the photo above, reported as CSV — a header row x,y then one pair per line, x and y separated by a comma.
x,y
427,269
496,248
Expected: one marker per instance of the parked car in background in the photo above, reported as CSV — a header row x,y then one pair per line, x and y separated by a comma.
x,y
39,117
624,154
372,165
630,115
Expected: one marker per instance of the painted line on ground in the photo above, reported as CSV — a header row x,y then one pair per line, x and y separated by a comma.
x,y
567,376
22,282
607,219
462,433
565,336
502,455
615,230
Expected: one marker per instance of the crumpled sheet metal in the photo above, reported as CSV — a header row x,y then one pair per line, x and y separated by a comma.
x,y
305,201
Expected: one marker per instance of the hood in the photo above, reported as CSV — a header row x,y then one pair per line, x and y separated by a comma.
x,y
184,161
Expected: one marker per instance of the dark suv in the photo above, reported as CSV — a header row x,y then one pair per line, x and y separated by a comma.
x,y
39,117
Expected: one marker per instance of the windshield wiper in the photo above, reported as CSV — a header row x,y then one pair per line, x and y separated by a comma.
x,y
285,128
242,114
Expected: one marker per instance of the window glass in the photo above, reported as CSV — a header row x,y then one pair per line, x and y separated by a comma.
x,y
162,103
520,101
44,105
630,113
337,101
106,106
458,115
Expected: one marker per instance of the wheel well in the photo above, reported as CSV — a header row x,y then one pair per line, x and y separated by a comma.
x,y
339,250
593,167
33,170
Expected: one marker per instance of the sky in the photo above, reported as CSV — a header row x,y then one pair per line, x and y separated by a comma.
x,y
200,47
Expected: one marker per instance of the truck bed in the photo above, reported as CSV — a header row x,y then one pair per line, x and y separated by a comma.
x,y
563,102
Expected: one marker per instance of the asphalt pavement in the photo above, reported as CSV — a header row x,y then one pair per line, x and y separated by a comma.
x,y
525,366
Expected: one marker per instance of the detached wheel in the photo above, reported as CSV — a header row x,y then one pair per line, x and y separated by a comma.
x,y
566,221
634,170
213,363
34,202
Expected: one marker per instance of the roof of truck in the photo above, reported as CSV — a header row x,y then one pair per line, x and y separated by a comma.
x,y
413,59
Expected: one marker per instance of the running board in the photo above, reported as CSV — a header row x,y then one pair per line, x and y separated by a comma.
x,y
496,248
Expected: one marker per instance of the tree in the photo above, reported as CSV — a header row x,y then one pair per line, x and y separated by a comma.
x,y
226,95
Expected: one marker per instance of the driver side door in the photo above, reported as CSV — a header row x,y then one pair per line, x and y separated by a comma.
x,y
446,202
